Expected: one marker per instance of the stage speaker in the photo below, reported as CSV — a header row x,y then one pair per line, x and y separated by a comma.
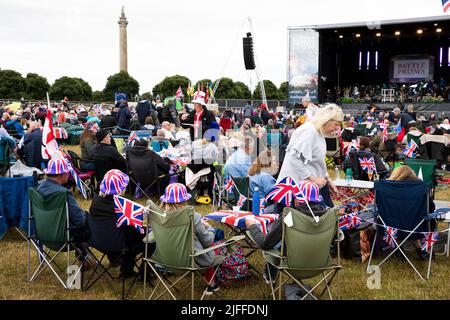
x,y
249,59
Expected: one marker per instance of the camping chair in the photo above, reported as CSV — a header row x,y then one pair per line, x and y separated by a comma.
x,y
49,231
402,205
5,164
424,169
174,235
143,170
305,252
333,151
106,238
243,186
87,177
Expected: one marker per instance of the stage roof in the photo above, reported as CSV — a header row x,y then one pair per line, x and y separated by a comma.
x,y
374,24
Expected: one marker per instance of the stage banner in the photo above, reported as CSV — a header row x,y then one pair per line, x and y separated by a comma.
x,y
303,65
410,70
118,96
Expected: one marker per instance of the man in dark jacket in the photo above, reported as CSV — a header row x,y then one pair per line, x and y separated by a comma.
x,y
106,156
265,114
32,142
108,120
200,119
143,111
124,117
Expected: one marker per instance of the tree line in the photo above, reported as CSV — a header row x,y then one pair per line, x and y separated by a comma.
x,y
34,87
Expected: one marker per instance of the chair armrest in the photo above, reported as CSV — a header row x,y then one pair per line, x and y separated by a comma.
x,y
436,214
273,253
220,245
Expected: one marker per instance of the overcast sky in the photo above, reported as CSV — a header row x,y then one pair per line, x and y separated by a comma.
x,y
198,39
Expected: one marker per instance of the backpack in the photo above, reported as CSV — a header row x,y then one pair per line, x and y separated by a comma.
x,y
235,266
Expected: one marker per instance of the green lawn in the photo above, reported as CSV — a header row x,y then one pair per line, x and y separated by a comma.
x,y
398,281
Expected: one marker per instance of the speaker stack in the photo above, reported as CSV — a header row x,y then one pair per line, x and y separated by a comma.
x,y
249,58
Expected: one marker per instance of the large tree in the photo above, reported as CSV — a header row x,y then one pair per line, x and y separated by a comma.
x,y
12,85
283,90
241,91
36,86
270,88
75,89
169,86
120,82
97,96
225,89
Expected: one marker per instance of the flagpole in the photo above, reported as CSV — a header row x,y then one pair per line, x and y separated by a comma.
x,y
48,100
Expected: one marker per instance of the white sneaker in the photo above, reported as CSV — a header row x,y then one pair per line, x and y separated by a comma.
x,y
211,289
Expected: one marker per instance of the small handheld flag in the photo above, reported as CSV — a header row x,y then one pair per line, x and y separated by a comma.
x,y
229,183
129,213
410,148
367,164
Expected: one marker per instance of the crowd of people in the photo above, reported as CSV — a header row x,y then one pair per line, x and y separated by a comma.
x,y
425,91
254,142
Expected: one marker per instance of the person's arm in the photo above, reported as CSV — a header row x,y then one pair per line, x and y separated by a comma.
x,y
271,239
118,159
161,164
76,214
204,232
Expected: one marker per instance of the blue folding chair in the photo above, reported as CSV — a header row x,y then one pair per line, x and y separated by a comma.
x,y
403,205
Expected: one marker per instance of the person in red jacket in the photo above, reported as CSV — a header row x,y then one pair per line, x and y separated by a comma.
x,y
226,121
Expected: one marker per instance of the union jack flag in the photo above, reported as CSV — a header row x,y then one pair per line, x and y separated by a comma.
x,y
355,220
132,137
385,133
241,201
446,5
262,205
367,164
229,183
344,222
129,213
179,93
390,236
410,148
77,180
284,192
228,217
429,240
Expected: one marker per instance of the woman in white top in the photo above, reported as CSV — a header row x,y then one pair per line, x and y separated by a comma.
x,y
305,154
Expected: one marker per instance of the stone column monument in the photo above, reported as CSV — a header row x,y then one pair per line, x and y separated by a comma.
x,y
123,53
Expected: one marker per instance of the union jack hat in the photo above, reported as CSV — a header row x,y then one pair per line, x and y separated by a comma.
x,y
114,182
57,166
309,191
175,193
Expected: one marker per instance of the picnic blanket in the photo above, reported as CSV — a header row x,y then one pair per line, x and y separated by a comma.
x,y
238,218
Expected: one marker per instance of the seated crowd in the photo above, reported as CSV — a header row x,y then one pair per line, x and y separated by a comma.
x,y
256,144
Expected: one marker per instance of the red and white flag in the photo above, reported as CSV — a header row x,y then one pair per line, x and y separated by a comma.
x,y
49,145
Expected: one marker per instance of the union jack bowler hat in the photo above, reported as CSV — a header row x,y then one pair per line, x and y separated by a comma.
x,y
57,166
114,182
175,193
310,191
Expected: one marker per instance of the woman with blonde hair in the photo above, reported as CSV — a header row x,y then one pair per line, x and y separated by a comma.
x,y
305,154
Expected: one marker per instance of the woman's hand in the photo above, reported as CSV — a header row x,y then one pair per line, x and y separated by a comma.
x,y
332,186
321,182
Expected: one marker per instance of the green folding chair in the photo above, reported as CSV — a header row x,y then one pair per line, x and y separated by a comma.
x,y
243,187
49,233
305,252
424,169
174,236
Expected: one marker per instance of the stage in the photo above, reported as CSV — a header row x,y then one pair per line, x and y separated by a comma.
x,y
329,61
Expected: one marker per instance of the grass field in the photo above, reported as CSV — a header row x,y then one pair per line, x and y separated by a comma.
x,y
398,280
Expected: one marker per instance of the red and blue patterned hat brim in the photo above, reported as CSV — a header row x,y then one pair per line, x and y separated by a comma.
x,y
172,200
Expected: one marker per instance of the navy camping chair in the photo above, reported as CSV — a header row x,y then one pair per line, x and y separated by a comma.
x,y
403,205
106,238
